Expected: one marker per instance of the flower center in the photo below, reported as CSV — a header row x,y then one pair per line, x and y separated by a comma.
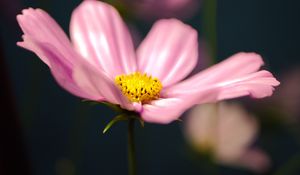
x,y
139,87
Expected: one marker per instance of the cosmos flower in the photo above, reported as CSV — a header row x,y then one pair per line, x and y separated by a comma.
x,y
228,132
100,63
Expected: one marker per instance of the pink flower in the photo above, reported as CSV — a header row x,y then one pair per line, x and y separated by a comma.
x,y
228,131
154,9
100,64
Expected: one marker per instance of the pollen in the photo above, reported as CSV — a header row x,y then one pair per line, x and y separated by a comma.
x,y
139,87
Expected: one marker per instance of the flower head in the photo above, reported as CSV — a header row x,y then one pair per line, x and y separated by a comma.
x,y
139,87
228,131
100,63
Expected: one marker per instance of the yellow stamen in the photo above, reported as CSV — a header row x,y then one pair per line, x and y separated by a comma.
x,y
139,87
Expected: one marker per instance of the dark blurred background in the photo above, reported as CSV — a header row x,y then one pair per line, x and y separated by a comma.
x,y
46,131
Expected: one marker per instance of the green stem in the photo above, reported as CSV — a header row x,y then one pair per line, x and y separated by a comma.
x,y
210,27
131,148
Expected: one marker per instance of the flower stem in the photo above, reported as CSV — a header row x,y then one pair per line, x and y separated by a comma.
x,y
131,148
210,27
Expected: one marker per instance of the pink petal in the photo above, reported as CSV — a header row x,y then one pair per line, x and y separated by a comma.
x,y
37,24
161,111
69,69
238,78
43,36
83,79
100,35
169,109
62,72
164,111
169,52
89,77
258,85
234,77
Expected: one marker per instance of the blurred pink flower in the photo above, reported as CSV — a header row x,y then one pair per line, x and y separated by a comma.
x,y
155,9
100,64
228,131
